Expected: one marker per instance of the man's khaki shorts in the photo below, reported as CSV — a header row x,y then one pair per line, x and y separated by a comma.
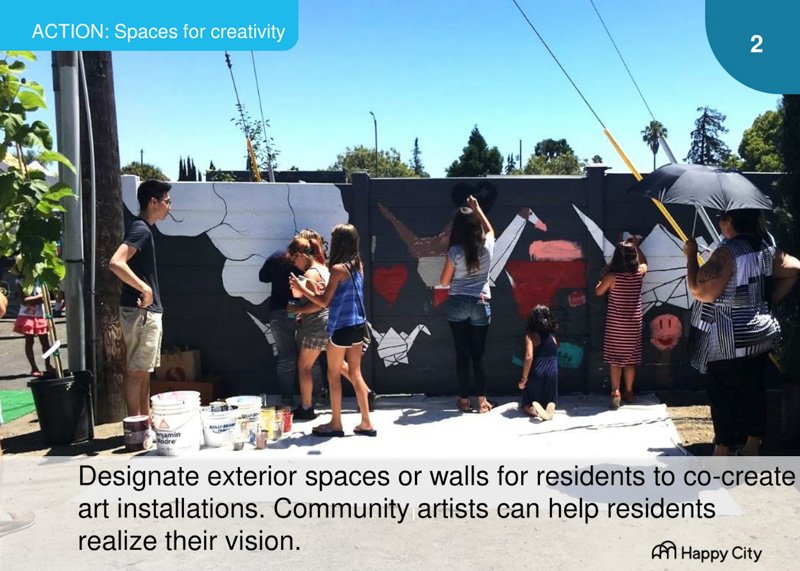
x,y
142,332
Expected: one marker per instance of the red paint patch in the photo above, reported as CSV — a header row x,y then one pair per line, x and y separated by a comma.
x,y
537,283
388,281
577,298
665,332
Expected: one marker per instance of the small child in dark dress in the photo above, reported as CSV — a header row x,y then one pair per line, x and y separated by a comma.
x,y
539,382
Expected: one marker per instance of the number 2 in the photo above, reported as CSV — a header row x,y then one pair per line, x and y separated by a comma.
x,y
756,49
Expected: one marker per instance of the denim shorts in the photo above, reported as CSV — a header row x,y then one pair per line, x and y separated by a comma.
x,y
468,308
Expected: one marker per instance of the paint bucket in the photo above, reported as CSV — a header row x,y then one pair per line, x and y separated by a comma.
x,y
219,425
268,420
440,294
249,409
287,419
176,421
134,430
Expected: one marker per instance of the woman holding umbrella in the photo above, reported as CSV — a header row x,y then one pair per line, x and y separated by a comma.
x,y
736,289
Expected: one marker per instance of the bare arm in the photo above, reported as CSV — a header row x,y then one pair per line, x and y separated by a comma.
x,y
636,241
785,271
605,284
338,274
472,202
447,273
526,367
120,268
707,283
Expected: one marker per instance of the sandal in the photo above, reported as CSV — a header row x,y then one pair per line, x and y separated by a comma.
x,y
615,400
464,405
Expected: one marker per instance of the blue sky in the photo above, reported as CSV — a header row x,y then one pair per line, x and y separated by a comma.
x,y
433,69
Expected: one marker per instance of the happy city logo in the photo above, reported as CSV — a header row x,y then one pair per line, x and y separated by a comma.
x,y
668,550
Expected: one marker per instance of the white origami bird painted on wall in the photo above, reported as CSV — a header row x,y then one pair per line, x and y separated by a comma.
x,y
267,331
393,347
665,280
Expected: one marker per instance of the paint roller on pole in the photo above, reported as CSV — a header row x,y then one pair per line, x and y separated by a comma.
x,y
663,209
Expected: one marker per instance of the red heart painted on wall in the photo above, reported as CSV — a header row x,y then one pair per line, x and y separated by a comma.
x,y
388,281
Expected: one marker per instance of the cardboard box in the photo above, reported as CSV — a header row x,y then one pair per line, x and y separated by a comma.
x,y
209,390
179,365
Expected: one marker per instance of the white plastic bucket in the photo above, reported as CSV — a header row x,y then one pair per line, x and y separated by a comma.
x,y
176,421
249,408
218,426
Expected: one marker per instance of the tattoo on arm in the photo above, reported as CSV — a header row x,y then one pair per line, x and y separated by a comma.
x,y
714,268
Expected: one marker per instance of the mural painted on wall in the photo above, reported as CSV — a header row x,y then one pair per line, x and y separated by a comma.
x,y
246,222
389,280
393,347
430,251
666,331
665,281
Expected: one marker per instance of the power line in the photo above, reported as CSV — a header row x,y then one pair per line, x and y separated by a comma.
x,y
610,37
535,31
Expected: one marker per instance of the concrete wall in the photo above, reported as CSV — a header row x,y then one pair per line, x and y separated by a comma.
x,y
552,233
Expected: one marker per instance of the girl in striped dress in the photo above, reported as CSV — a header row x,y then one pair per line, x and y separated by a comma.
x,y
622,345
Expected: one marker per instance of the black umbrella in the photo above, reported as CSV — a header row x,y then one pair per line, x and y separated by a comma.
x,y
702,186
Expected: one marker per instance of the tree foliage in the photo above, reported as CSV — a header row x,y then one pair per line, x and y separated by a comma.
x,y
652,136
476,159
707,147
263,145
760,146
361,158
30,208
416,161
144,171
553,157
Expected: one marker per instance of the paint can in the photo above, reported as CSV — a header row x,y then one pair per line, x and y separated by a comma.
x,y
268,420
134,430
176,421
440,294
250,410
287,419
219,426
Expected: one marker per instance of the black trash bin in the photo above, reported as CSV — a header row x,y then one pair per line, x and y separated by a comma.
x,y
64,407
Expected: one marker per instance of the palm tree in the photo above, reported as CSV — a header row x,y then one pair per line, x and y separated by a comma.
x,y
651,135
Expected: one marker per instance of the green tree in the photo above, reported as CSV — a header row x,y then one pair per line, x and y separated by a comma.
x,y
652,135
361,158
30,209
760,146
553,157
597,160
416,161
551,148
789,230
263,145
707,148
144,171
476,159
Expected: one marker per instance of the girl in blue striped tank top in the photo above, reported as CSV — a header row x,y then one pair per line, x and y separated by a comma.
x,y
344,297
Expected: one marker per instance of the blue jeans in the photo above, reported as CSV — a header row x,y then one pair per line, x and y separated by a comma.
x,y
468,308
283,330
469,319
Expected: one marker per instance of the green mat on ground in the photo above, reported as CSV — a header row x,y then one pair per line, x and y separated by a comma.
x,y
16,404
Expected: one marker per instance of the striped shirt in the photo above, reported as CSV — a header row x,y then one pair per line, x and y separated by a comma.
x,y
476,282
346,306
739,322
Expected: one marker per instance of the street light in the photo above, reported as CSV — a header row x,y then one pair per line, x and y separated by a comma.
x,y
375,123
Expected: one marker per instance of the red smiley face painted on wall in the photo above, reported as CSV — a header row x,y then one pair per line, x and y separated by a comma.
x,y
665,332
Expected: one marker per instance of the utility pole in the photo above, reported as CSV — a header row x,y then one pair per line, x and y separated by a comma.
x,y
106,337
141,156
66,87
375,123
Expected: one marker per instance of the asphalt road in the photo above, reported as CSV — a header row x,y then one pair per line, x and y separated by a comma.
x,y
14,367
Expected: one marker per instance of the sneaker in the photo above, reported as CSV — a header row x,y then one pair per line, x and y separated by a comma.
x,y
615,400
11,522
301,413
371,396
